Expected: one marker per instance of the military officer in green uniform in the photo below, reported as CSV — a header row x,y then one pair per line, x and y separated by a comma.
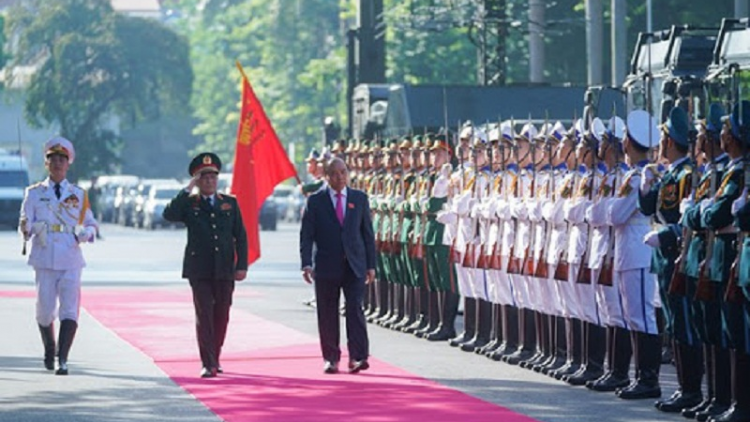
x,y
215,255
440,271
706,314
661,197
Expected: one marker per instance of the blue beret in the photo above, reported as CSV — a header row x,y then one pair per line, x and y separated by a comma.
x,y
677,126
713,120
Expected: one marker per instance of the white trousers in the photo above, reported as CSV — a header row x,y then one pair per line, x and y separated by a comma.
x,y
609,302
586,294
639,299
53,286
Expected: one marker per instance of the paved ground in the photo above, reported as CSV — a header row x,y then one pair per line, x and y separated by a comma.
x,y
112,381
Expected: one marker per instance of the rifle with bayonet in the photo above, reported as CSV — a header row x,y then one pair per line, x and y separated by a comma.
x,y
528,259
678,283
562,269
497,261
606,274
470,254
584,273
455,255
542,268
514,263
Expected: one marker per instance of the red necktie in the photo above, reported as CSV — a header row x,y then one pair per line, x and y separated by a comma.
x,y
340,208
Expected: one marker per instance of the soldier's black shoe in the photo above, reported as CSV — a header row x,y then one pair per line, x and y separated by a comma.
x,y
713,410
581,378
474,344
48,339
502,350
676,395
684,401
442,334
692,412
68,329
488,348
733,414
518,356
418,325
555,363
208,372
458,340
639,391
566,370
608,383
536,358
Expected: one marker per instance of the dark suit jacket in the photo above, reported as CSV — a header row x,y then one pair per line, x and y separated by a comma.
x,y
217,243
354,243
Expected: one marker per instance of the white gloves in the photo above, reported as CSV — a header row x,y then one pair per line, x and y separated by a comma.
x,y
685,204
440,189
652,239
445,217
706,203
39,229
739,202
85,234
647,179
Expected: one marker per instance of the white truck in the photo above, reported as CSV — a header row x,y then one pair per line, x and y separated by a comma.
x,y
14,178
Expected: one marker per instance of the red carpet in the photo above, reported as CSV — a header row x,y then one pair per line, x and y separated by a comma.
x,y
274,373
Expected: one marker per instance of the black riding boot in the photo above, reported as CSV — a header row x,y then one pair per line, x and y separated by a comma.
x,y
68,329
48,339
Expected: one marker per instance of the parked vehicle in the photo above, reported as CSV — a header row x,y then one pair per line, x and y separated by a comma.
x,y
269,214
158,198
281,195
14,177
142,194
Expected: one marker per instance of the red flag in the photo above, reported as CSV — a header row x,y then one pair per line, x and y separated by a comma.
x,y
260,163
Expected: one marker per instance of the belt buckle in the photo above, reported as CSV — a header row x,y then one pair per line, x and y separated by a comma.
x,y
55,228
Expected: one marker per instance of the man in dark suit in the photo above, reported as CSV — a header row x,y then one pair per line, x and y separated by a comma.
x,y
337,224
215,255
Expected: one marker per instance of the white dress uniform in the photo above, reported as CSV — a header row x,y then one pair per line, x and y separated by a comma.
x,y
493,239
57,227
507,232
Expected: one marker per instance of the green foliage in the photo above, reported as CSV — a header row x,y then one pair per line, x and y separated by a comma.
x,y
95,65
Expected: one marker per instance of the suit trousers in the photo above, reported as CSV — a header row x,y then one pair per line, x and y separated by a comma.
x,y
328,293
212,300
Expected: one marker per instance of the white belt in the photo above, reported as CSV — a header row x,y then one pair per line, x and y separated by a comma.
x,y
60,228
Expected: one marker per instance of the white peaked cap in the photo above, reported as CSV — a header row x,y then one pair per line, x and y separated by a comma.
x,y
506,130
494,134
545,131
60,145
598,129
466,132
558,130
528,131
480,136
617,127
642,128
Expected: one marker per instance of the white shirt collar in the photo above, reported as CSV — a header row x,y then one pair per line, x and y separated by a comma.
x,y
332,192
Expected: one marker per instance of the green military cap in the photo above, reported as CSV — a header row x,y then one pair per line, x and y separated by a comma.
x,y
677,126
205,162
439,142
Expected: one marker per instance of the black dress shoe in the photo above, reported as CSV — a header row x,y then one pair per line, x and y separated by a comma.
x,y
712,411
441,335
62,369
356,366
581,378
208,372
219,370
566,370
692,412
684,401
609,383
518,356
331,367
639,391
733,414
553,364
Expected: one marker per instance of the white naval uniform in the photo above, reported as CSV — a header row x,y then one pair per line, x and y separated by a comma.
x,y
638,288
494,235
56,226
481,226
575,212
554,212
551,210
507,234
541,290
609,304
520,212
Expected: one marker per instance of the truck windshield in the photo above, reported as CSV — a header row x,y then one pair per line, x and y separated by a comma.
x,y
14,179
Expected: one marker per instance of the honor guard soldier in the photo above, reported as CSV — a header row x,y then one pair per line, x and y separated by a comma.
x,y
56,216
706,314
440,271
315,170
660,196
736,293
215,255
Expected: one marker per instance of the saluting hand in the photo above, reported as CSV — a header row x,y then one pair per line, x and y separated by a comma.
x,y
193,182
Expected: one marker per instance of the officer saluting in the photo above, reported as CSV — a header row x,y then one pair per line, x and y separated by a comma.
x,y
56,216
215,255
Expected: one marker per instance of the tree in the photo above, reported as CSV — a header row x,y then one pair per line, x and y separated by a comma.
x,y
96,64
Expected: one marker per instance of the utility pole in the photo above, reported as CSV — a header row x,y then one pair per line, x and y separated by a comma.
x,y
619,41
594,46
536,40
490,41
